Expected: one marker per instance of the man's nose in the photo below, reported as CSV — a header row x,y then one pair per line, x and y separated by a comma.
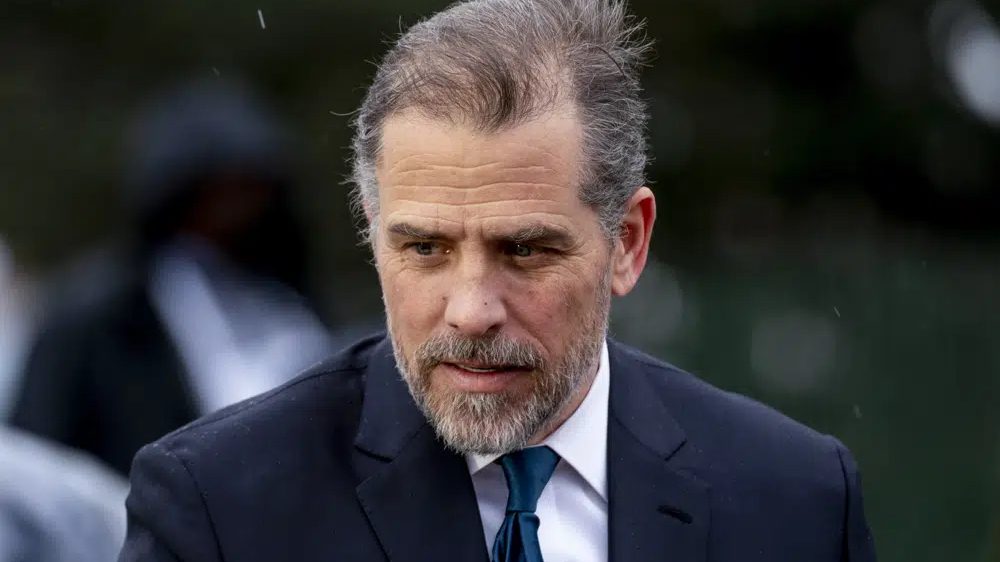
x,y
475,302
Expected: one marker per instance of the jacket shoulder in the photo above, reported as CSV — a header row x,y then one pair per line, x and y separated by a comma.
x,y
730,426
774,480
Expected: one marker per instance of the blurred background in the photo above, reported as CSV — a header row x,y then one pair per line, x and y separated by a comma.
x,y
827,176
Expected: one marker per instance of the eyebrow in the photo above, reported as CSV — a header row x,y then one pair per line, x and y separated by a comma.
x,y
537,234
412,231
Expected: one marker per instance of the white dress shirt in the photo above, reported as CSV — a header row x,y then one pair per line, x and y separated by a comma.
x,y
573,507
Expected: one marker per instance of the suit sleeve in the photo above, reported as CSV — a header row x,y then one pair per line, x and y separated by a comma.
x,y
858,543
167,516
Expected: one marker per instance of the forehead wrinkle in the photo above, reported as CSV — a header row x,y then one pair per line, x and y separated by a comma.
x,y
511,192
400,216
462,176
444,167
467,172
503,223
553,141
455,175
528,168
477,148
460,211
452,184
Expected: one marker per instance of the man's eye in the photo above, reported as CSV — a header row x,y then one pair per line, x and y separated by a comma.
x,y
423,248
522,250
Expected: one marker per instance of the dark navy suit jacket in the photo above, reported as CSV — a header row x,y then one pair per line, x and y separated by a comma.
x,y
340,464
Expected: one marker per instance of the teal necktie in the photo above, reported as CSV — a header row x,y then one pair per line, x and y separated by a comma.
x,y
527,471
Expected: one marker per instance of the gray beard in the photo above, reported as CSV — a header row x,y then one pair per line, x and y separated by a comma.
x,y
498,423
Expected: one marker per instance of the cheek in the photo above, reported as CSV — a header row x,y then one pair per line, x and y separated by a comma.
x,y
413,303
553,309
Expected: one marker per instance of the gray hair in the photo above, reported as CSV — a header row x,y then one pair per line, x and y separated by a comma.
x,y
498,63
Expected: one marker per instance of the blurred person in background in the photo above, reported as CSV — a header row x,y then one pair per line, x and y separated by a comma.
x,y
207,307
57,504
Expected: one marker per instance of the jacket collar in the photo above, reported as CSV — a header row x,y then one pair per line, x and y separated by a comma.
x,y
655,506
420,501
422,505
389,417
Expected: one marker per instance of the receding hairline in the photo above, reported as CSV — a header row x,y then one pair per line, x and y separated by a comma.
x,y
552,96
495,64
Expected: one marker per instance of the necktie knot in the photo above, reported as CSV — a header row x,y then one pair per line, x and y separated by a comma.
x,y
527,471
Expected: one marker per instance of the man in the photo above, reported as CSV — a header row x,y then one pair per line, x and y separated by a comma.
x,y
499,160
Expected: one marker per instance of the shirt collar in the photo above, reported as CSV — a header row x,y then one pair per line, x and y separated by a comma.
x,y
581,440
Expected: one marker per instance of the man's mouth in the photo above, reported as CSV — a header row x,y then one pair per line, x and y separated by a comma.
x,y
486,369
476,377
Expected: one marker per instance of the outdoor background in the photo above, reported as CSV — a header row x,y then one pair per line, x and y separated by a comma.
x,y
827,175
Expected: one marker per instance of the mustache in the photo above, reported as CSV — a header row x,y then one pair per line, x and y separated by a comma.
x,y
496,349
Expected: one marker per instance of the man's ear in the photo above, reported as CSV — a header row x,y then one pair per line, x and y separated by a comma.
x,y
632,245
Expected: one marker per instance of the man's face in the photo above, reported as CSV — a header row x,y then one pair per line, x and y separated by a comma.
x,y
496,277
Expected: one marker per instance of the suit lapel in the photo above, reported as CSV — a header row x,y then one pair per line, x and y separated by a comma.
x,y
655,510
420,500
422,506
